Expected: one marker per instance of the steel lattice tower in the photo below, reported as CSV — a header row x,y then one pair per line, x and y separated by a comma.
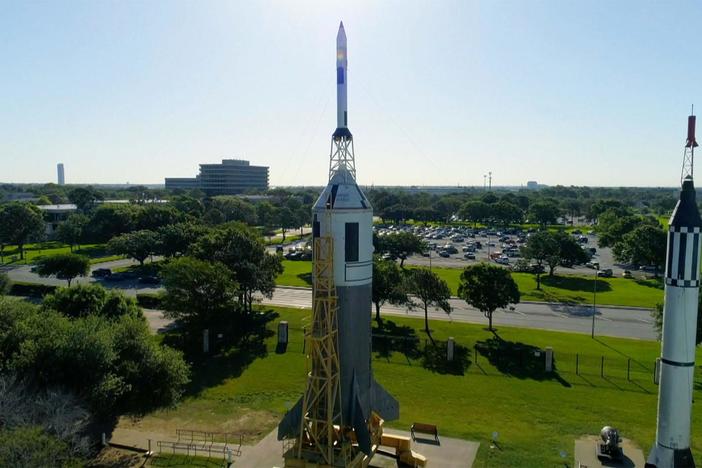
x,y
689,151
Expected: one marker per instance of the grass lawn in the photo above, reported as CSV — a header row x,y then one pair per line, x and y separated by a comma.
x,y
296,273
576,288
33,252
536,414
560,288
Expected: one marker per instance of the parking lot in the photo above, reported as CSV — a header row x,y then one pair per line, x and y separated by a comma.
x,y
450,247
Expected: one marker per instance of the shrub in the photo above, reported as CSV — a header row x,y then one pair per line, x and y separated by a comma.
x,y
31,289
91,299
149,300
4,284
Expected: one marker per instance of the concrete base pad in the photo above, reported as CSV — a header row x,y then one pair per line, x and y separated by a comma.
x,y
449,453
586,454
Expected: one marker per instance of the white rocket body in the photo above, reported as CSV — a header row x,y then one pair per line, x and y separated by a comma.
x,y
341,79
682,282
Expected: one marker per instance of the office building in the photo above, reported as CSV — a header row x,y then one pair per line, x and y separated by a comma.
x,y
232,176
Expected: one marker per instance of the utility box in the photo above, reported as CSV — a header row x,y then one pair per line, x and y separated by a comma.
x,y
549,359
450,347
283,333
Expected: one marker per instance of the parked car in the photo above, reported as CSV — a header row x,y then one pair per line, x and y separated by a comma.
x,y
469,256
627,274
444,254
102,273
605,273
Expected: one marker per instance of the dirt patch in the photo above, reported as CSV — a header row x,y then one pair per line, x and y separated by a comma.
x,y
252,425
111,457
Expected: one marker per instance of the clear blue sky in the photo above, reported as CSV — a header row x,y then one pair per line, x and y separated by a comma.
x,y
563,92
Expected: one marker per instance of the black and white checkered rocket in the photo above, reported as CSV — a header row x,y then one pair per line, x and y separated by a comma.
x,y
677,363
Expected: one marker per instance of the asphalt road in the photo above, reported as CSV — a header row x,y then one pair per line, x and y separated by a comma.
x,y
609,321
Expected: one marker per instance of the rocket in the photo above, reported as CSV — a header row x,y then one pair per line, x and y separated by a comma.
x,y
341,79
677,362
344,213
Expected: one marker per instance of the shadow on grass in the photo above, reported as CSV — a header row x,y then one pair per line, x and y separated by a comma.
x,y
389,338
651,283
575,283
518,360
306,277
229,357
641,365
435,359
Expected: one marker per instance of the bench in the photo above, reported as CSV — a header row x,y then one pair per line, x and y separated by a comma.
x,y
424,428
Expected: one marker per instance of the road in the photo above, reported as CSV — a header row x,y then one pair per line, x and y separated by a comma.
x,y
609,321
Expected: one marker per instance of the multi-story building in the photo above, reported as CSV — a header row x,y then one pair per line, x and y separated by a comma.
x,y
61,176
232,176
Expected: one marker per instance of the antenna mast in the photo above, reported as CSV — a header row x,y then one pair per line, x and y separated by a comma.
x,y
690,145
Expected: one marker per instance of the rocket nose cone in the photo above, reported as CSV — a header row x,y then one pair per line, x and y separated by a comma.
x,y
341,35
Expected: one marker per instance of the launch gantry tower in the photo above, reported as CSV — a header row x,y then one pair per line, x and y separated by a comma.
x,y
690,145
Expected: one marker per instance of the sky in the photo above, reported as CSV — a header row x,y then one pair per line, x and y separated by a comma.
x,y
440,92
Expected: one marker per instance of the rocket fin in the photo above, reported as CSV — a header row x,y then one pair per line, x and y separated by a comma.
x,y
290,424
383,403
358,420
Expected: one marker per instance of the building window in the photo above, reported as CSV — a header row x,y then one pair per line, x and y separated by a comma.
x,y
351,242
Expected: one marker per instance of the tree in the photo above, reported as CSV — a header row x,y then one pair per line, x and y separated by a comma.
x,y
388,285
612,226
286,219
154,216
645,245
566,252
85,198
400,245
137,245
266,214
234,208
20,223
64,266
488,288
239,248
175,239
72,229
504,213
447,206
200,294
543,212
570,251
474,211
188,205
114,364
91,299
108,221
539,247
431,290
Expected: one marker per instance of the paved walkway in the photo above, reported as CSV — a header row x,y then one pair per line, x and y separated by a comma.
x,y
268,453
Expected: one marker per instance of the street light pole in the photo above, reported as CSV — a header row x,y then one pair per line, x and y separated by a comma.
x,y
594,300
